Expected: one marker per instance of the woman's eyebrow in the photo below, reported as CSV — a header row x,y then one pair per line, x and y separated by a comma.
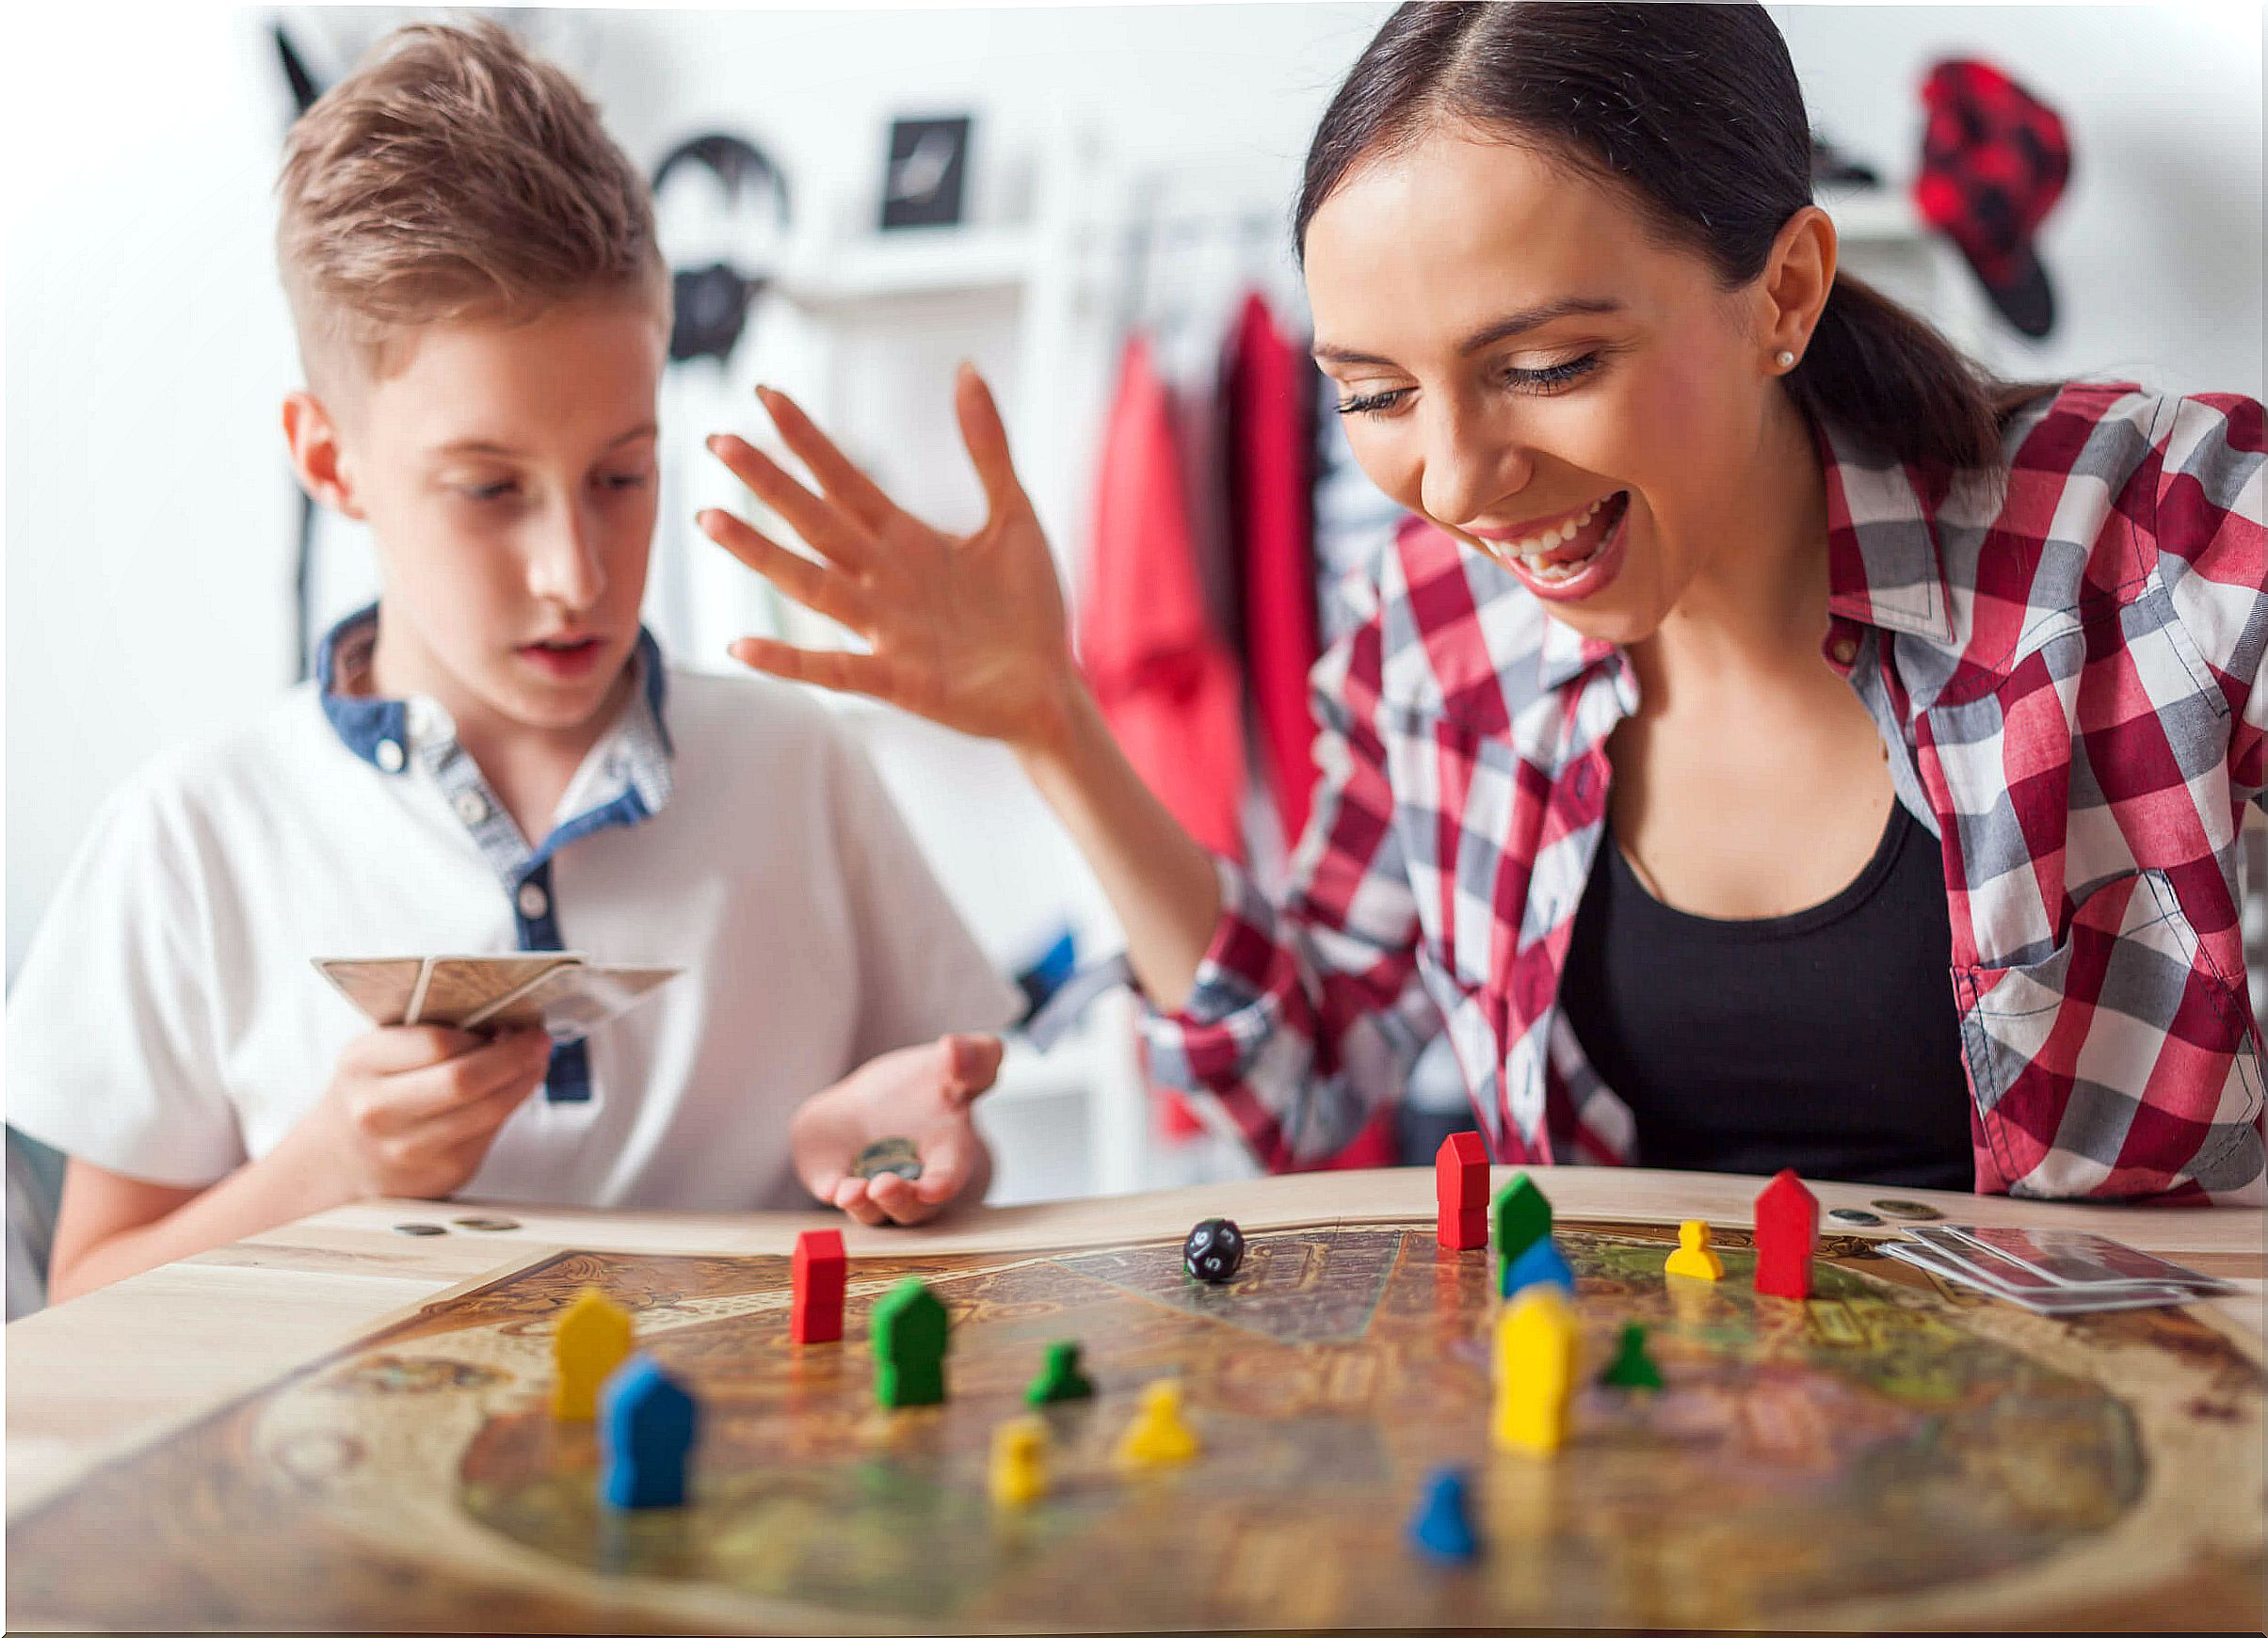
x,y
1510,325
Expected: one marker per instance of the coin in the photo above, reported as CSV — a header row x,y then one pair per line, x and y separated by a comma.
x,y
889,1154
487,1225
419,1228
1852,1214
1914,1210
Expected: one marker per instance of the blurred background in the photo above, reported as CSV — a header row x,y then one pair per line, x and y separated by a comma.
x,y
1091,203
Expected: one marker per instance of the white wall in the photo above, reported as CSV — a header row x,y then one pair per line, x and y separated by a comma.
x,y
148,511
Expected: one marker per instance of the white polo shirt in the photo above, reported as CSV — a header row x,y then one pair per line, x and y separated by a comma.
x,y
167,1024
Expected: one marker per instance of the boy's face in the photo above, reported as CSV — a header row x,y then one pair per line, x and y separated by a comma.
x,y
507,473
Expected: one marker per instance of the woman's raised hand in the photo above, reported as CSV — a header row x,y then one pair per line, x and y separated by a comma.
x,y
965,630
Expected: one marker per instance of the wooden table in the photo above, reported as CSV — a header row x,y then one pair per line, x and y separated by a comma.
x,y
118,1367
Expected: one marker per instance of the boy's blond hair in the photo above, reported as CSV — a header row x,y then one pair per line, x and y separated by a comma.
x,y
452,175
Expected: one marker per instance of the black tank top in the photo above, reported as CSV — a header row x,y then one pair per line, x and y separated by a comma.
x,y
1825,1040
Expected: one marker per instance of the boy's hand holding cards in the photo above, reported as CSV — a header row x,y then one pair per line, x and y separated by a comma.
x,y
558,991
2052,1271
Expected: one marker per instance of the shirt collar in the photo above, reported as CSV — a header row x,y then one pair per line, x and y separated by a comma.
x,y
1884,566
381,731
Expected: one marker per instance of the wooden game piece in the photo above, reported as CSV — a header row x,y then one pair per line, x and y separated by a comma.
x,y
1519,1216
1442,1525
1786,1234
910,1339
1535,1345
592,1339
1542,1263
1060,1377
1632,1366
1693,1259
1213,1251
1019,1472
1460,1187
1158,1435
646,1427
822,1274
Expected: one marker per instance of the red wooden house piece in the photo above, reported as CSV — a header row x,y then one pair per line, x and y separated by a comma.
x,y
1787,1233
822,1274
1460,1182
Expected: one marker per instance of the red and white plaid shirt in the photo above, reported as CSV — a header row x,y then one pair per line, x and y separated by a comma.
x,y
2066,673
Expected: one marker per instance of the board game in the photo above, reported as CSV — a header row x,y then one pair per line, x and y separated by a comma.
x,y
1893,1453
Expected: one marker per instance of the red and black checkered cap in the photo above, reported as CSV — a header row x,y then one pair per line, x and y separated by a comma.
x,y
1994,161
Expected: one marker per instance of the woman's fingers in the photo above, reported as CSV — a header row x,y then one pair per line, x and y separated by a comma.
x,y
986,438
823,525
812,584
840,479
839,669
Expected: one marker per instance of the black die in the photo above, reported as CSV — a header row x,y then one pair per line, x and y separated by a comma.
x,y
1213,1251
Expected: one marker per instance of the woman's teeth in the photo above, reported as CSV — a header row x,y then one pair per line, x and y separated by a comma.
x,y
1532,552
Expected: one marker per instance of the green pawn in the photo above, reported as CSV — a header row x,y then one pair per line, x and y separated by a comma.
x,y
1632,1366
1060,1377
909,1327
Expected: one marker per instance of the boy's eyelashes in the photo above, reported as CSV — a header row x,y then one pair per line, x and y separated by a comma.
x,y
507,489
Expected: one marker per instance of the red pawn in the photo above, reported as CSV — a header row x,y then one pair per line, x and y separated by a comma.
x,y
822,1274
1787,1233
1460,1184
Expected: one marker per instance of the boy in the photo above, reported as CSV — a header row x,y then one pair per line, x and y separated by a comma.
x,y
492,758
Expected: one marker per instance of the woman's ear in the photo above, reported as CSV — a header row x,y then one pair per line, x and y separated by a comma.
x,y
315,453
1798,278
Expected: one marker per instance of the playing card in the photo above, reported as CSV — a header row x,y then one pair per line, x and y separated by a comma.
x,y
462,992
556,989
571,1001
2050,1300
2070,1257
380,989
1981,1261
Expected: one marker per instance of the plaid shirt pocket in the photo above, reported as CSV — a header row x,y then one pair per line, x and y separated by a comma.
x,y
2052,1043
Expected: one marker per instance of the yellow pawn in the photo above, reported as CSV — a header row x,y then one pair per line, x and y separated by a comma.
x,y
1158,1435
1018,1461
592,1339
1535,1343
1693,1256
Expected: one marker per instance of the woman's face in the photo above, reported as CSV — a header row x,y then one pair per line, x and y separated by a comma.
x,y
1519,364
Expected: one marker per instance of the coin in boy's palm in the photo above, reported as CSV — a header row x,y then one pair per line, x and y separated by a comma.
x,y
889,1154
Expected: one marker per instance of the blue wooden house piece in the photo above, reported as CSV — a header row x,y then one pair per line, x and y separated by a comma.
x,y
646,1426
1542,1263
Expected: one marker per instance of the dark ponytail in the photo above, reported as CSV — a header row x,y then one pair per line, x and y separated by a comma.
x,y
1696,110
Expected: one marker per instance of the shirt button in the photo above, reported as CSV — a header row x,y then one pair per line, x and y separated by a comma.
x,y
471,807
390,755
1582,782
534,900
1844,651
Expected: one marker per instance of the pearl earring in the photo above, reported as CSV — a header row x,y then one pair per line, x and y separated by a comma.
x,y
1784,359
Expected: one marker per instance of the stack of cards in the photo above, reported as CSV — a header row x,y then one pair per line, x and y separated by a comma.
x,y
2052,1271
555,988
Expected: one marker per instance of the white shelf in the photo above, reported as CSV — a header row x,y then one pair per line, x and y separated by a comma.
x,y
911,261
1878,216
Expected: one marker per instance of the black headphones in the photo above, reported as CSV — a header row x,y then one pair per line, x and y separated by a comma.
x,y
713,302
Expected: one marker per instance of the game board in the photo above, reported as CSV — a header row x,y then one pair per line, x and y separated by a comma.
x,y
1891,1453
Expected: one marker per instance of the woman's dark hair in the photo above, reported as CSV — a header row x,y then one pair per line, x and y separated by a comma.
x,y
1697,111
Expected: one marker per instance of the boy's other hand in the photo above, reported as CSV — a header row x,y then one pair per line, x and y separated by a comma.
x,y
966,630
412,1108
922,1093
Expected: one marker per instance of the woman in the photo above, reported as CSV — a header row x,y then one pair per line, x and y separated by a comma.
x,y
1751,664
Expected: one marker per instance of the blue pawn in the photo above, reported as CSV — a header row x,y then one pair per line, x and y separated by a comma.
x,y
1542,1263
1443,1525
646,1424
